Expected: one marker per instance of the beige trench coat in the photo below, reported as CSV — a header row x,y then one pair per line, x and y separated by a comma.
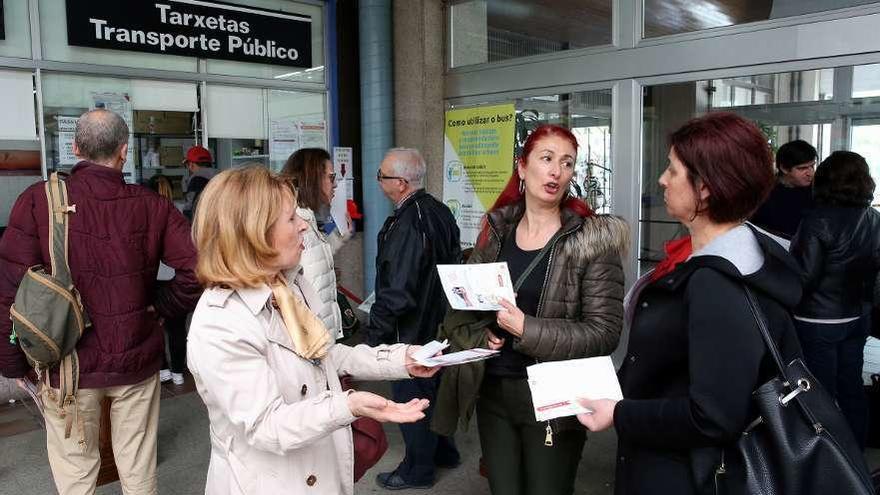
x,y
278,423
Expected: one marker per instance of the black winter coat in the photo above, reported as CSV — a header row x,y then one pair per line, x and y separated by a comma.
x,y
409,304
838,249
695,355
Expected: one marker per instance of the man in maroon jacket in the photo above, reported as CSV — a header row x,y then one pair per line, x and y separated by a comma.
x,y
117,236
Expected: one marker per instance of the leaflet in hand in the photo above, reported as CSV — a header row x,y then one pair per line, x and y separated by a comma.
x,y
557,385
460,357
429,350
476,287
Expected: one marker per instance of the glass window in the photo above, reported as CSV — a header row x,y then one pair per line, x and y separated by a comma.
x,y
296,120
19,147
866,141
866,81
663,17
254,125
588,115
162,116
236,125
17,30
493,30
312,74
785,87
786,106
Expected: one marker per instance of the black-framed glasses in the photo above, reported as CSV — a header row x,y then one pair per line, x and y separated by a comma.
x,y
380,177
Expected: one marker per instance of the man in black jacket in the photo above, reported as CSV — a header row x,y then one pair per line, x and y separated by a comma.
x,y
792,197
419,235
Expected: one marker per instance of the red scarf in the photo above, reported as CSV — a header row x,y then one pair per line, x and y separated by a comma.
x,y
677,251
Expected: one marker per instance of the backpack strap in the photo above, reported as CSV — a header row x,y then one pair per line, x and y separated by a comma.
x,y
68,368
56,194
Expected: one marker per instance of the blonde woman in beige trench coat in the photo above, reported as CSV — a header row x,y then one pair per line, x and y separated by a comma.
x,y
268,374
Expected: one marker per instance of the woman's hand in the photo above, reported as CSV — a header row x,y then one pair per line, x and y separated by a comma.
x,y
602,416
493,341
415,369
370,405
510,318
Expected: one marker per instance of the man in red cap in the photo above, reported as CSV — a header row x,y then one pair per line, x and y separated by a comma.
x,y
198,161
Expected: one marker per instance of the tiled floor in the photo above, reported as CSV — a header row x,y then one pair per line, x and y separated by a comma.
x,y
21,416
183,453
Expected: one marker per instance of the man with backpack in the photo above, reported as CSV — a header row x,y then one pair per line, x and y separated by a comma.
x,y
116,235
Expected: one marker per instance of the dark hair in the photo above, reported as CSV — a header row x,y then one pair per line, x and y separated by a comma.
x,y
99,134
794,153
732,158
843,179
306,167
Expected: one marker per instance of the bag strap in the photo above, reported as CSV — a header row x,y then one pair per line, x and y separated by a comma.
x,y
761,320
56,195
537,259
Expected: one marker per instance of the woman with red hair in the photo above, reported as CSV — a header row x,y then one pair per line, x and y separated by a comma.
x,y
569,305
695,353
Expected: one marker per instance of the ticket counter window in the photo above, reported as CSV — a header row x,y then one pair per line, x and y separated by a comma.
x,y
163,119
256,125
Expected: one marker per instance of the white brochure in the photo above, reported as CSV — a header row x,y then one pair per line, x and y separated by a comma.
x,y
557,385
427,355
476,287
460,357
429,350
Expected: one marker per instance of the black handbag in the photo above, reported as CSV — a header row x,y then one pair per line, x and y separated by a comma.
x,y
350,322
799,445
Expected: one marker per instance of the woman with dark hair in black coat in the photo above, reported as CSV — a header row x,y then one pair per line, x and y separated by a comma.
x,y
695,353
838,247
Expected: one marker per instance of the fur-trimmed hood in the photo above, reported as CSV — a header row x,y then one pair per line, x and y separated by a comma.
x,y
597,235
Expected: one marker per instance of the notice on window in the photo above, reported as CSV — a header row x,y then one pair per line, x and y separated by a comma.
x,y
66,132
477,286
313,134
478,162
342,163
283,140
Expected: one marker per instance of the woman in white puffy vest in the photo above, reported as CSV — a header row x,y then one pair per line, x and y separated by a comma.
x,y
315,180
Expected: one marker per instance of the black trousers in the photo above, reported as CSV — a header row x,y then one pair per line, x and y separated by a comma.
x,y
513,443
424,448
835,355
175,331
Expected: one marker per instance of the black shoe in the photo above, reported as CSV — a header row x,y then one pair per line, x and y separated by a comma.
x,y
393,481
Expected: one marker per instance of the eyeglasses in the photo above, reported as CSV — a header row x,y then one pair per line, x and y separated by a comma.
x,y
380,177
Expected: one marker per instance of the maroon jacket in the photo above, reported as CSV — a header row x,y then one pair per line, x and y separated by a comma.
x,y
115,241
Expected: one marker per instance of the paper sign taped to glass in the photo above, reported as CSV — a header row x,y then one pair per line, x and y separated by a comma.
x,y
476,287
557,385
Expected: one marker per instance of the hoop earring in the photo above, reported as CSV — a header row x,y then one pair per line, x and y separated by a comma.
x,y
522,186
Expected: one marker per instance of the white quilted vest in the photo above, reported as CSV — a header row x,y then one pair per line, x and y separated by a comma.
x,y
317,265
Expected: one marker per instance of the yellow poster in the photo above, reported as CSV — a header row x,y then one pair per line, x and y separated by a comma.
x,y
478,162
